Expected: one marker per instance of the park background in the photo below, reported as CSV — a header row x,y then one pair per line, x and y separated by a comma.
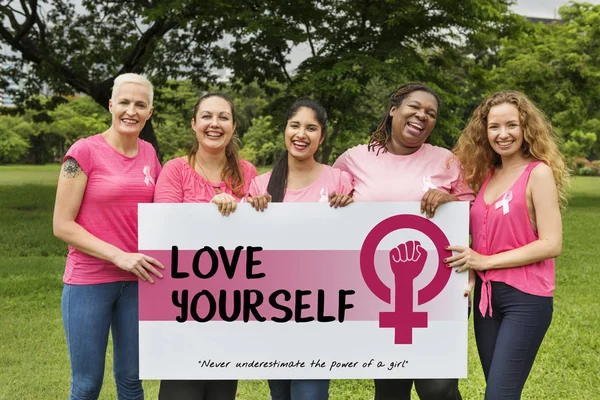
x,y
58,60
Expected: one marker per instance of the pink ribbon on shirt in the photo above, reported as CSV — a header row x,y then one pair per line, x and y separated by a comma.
x,y
324,196
148,177
427,184
508,196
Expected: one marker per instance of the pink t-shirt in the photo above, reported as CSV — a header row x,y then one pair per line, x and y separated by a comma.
x,y
389,177
504,225
180,183
109,208
329,181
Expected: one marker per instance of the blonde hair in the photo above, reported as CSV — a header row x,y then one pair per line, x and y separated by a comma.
x,y
477,157
133,78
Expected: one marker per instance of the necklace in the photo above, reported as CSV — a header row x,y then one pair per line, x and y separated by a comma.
x,y
216,188
201,169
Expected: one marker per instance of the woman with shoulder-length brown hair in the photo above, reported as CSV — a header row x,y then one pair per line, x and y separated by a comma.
x,y
211,172
510,156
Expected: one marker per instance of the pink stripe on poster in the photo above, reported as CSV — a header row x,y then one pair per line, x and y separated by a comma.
x,y
320,285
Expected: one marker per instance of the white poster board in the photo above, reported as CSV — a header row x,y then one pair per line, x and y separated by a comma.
x,y
303,291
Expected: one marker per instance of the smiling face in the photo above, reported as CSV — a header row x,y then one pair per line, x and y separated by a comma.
x,y
504,130
213,124
130,108
412,122
303,134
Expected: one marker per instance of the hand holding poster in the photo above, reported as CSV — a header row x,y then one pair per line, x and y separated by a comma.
x,y
303,291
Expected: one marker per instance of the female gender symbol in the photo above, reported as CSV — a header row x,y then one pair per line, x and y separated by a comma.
x,y
403,319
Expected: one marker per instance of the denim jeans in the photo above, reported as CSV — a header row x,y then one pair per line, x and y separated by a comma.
x,y
298,389
509,340
89,312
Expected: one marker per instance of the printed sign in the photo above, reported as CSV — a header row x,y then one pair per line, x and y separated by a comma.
x,y
303,291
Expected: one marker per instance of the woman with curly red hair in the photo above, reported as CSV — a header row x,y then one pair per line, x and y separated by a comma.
x,y
510,155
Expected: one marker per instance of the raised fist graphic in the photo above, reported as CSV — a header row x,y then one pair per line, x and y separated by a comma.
x,y
408,259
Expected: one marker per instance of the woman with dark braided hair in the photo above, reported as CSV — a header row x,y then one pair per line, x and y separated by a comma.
x,y
398,165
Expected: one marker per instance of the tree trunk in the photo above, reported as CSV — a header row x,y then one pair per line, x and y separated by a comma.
x,y
148,135
327,146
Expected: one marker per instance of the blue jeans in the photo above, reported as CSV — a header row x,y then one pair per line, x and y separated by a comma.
x,y
299,389
508,341
89,312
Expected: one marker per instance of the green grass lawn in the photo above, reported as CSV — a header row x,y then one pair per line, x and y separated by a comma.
x,y
33,356
29,174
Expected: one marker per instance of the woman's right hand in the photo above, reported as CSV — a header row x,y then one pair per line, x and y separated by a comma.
x,y
226,203
339,200
139,264
433,199
260,202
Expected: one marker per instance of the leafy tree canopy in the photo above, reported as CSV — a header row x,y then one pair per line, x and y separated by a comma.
x,y
356,48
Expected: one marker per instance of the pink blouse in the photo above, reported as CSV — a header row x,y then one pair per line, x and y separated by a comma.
x,y
330,181
180,183
116,184
504,225
389,177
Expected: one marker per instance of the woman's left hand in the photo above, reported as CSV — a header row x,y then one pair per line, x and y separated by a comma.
x,y
260,203
339,200
226,203
467,259
433,199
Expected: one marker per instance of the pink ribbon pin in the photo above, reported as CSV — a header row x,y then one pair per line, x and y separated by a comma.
x,y
148,179
508,196
324,196
427,184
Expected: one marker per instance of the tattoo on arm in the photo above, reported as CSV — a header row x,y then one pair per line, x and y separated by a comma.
x,y
71,168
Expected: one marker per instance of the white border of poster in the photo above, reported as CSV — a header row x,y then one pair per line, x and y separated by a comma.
x,y
303,291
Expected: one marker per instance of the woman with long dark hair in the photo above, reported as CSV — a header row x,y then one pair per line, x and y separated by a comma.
x,y
298,177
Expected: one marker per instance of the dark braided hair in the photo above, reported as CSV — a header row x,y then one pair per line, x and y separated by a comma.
x,y
278,180
382,134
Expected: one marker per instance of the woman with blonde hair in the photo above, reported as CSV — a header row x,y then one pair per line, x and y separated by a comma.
x,y
510,155
102,180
